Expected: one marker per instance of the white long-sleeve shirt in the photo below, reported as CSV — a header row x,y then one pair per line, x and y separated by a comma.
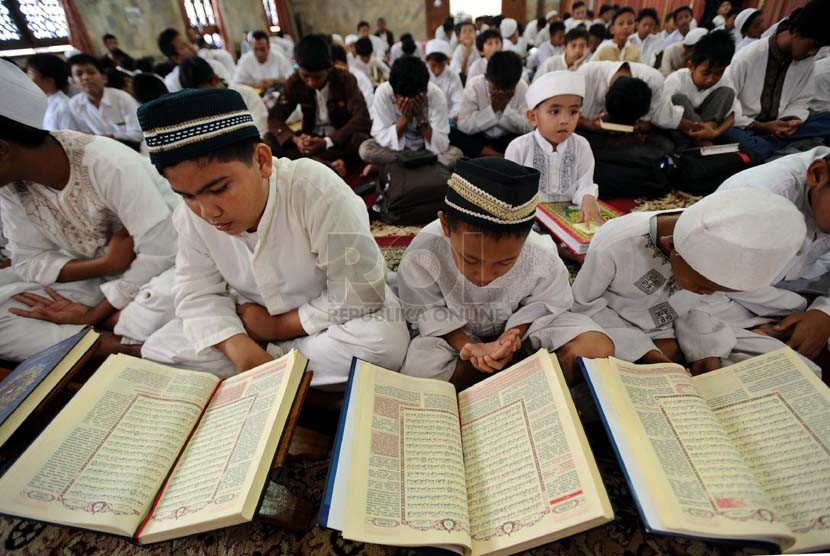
x,y
116,116
649,47
450,85
110,187
567,173
385,117
59,114
255,105
171,80
821,99
477,115
661,113
681,82
545,51
220,56
458,58
296,258
479,67
747,72
249,70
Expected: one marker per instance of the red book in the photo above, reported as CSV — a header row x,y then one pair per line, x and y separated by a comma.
x,y
562,220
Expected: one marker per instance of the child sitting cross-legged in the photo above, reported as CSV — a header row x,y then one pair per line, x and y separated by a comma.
x,y
564,160
479,284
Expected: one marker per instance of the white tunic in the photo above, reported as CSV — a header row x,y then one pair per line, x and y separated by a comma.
x,y
450,85
171,80
661,113
787,176
744,42
438,299
821,100
255,105
627,287
311,251
366,87
545,51
249,70
369,68
479,67
673,58
396,51
681,82
747,71
477,116
554,63
386,115
59,114
458,57
567,173
219,55
649,47
115,117
379,46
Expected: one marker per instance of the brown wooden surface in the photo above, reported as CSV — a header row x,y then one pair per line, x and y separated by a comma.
x,y
517,9
291,422
435,16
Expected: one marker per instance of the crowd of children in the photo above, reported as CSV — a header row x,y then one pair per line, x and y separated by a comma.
x,y
208,223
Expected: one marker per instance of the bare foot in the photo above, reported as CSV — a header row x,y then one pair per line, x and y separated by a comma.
x,y
340,167
369,170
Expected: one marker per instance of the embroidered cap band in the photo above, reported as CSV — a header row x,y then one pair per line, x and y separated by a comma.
x,y
493,193
194,122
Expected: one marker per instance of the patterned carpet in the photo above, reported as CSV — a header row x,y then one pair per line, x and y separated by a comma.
x,y
304,476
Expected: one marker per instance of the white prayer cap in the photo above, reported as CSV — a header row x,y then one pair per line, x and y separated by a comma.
x,y
555,83
438,46
20,99
351,39
337,39
740,238
550,14
718,20
741,18
508,26
695,35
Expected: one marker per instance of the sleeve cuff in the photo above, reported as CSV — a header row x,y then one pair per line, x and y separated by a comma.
x,y
206,332
312,319
119,293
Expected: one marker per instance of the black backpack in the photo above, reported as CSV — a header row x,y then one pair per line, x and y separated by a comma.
x,y
701,175
411,195
631,169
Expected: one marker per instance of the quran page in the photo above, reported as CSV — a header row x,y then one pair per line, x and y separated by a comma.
x,y
689,477
102,460
531,477
221,473
777,413
406,484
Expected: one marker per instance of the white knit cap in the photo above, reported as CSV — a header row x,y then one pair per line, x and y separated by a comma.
x,y
695,35
741,18
740,238
555,83
351,39
20,99
507,27
438,46
550,14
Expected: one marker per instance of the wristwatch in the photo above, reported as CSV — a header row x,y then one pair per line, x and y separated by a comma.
x,y
422,125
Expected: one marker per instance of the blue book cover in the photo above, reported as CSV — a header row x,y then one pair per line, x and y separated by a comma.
x,y
28,375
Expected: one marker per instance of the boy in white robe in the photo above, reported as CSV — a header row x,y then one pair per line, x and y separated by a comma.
x,y
50,73
176,47
101,110
89,233
618,48
774,83
271,251
701,91
477,283
488,42
493,110
564,160
804,179
410,113
576,52
262,68
749,26
647,22
553,47
653,281
443,77
466,53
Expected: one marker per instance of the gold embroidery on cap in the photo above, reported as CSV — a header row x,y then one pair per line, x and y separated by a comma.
x,y
498,208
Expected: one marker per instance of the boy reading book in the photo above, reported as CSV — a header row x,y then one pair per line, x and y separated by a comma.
x,y
263,247
804,179
478,283
700,90
564,160
493,110
652,280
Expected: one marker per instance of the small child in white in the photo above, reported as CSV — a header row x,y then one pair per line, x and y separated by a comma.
x,y
564,159
438,58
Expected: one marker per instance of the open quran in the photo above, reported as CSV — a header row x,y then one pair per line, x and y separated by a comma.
x,y
496,469
741,453
152,452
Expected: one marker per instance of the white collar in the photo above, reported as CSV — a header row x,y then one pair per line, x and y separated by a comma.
x,y
545,145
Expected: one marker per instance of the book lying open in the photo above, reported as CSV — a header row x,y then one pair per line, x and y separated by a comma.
x,y
562,220
501,467
33,382
151,452
741,453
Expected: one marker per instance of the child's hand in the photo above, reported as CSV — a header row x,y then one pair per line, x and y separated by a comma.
x,y
489,357
705,365
810,331
591,211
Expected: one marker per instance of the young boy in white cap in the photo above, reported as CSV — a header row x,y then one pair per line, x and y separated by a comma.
x,y
804,179
509,34
271,251
749,25
444,77
88,229
477,283
564,160
653,280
